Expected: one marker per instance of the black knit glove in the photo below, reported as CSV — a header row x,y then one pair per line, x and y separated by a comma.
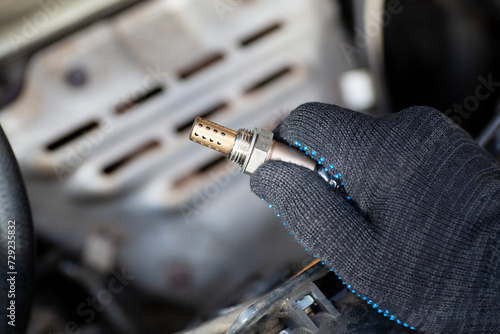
x,y
419,238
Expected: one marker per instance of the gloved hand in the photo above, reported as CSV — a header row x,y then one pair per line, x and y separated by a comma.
x,y
420,238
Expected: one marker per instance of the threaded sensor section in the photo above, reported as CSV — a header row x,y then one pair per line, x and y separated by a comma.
x,y
241,146
213,135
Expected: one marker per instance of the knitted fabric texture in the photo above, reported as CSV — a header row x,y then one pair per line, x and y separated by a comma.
x,y
420,236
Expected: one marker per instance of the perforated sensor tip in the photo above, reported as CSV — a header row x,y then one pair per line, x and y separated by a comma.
x,y
212,135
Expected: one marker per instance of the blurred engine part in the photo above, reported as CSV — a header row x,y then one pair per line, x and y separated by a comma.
x,y
100,131
489,138
449,63
313,301
26,25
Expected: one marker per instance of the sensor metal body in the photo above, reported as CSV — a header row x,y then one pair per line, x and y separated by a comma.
x,y
248,149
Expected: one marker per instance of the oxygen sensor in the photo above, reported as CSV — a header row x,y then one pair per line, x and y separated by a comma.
x,y
250,149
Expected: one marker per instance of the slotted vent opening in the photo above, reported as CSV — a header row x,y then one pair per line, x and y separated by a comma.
x,y
215,164
127,159
138,99
201,65
261,34
269,79
208,113
67,138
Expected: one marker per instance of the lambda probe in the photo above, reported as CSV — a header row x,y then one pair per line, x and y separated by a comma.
x,y
250,149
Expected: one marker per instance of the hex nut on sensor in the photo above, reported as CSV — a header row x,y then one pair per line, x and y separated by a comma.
x,y
262,144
